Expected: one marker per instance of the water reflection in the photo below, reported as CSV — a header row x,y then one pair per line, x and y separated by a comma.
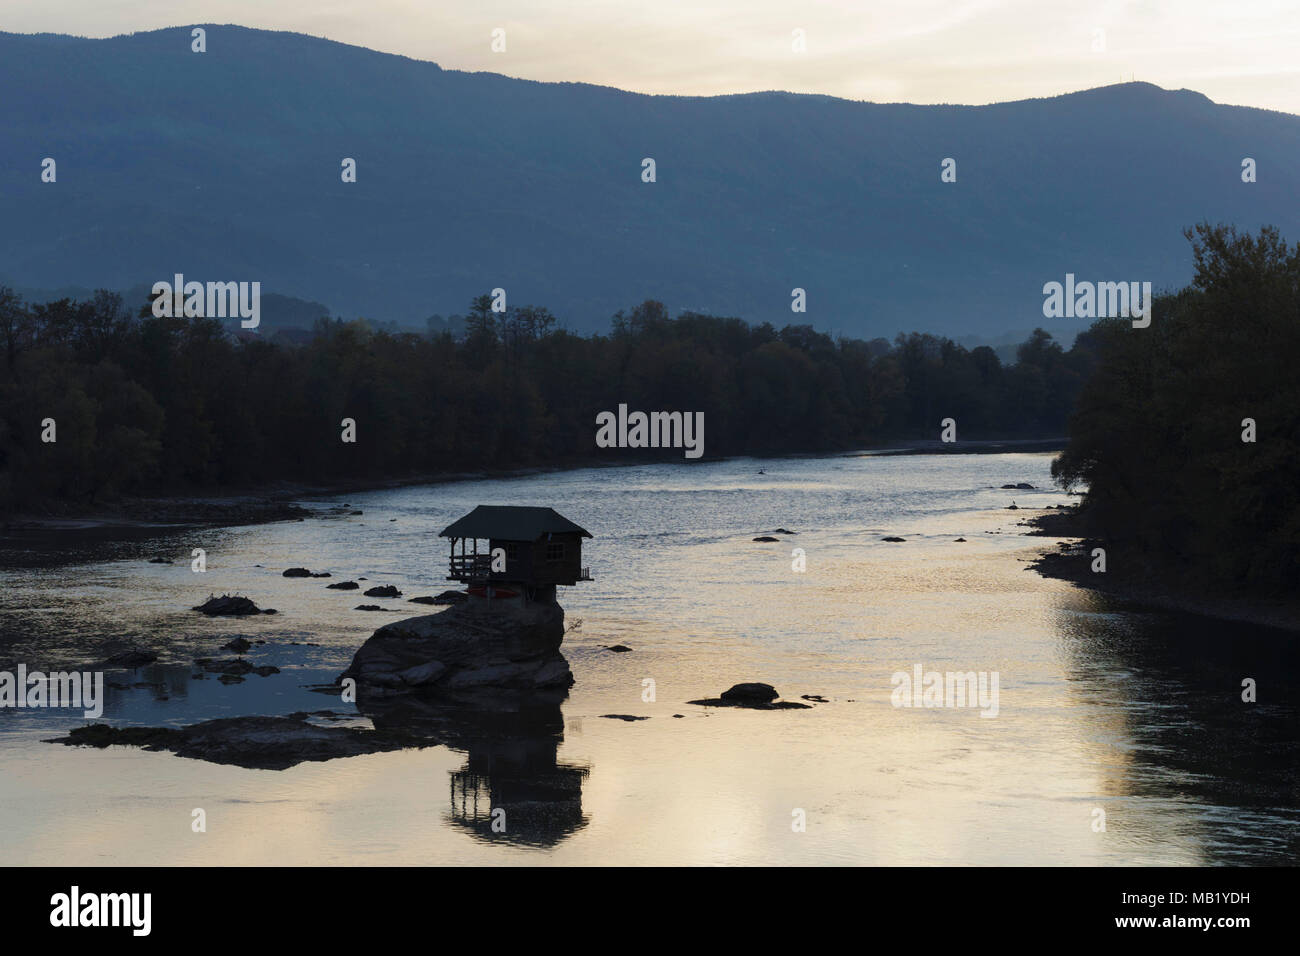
x,y
512,788
1164,699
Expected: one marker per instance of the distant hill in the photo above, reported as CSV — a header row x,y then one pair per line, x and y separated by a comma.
x,y
225,165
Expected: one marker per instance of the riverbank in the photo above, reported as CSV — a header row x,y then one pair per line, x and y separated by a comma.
x,y
1072,561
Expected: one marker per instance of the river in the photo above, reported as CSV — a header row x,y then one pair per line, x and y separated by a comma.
x,y
1120,736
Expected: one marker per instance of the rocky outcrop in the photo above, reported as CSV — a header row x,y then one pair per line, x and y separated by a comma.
x,y
469,648
230,605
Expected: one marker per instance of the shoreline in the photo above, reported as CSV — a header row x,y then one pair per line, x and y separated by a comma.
x,y
145,516
1072,561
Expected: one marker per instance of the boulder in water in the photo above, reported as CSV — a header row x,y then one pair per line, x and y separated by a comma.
x,y
229,604
751,692
468,649
753,695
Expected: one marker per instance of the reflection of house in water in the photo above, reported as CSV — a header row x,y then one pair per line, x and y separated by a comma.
x,y
521,787
512,764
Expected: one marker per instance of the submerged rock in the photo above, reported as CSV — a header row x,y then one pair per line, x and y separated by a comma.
x,y
263,743
238,645
628,717
235,667
466,649
383,590
343,586
619,648
130,659
766,538
304,573
894,538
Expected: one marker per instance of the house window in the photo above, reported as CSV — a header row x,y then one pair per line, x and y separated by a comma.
x,y
555,551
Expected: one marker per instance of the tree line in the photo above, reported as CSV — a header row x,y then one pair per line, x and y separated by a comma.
x,y
1187,433
142,404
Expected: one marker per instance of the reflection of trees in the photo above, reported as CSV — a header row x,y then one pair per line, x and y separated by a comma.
x,y
511,742
1166,688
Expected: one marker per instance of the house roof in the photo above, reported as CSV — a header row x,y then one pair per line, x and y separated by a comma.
x,y
511,523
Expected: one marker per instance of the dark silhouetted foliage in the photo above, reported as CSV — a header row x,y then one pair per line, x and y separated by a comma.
x,y
145,404
1157,436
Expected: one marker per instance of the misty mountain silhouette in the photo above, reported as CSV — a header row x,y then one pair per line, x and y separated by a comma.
x,y
225,165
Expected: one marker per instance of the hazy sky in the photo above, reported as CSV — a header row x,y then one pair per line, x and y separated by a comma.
x,y
921,51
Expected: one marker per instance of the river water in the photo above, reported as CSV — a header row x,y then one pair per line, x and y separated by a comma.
x,y
1119,735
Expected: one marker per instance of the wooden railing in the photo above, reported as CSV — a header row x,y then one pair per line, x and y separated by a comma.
x,y
479,566
463,565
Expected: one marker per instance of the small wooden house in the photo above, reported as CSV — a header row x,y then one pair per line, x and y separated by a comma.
x,y
528,551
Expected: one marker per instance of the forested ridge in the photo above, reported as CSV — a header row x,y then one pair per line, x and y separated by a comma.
x,y
143,404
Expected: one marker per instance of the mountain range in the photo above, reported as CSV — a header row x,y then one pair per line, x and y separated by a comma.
x,y
226,165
